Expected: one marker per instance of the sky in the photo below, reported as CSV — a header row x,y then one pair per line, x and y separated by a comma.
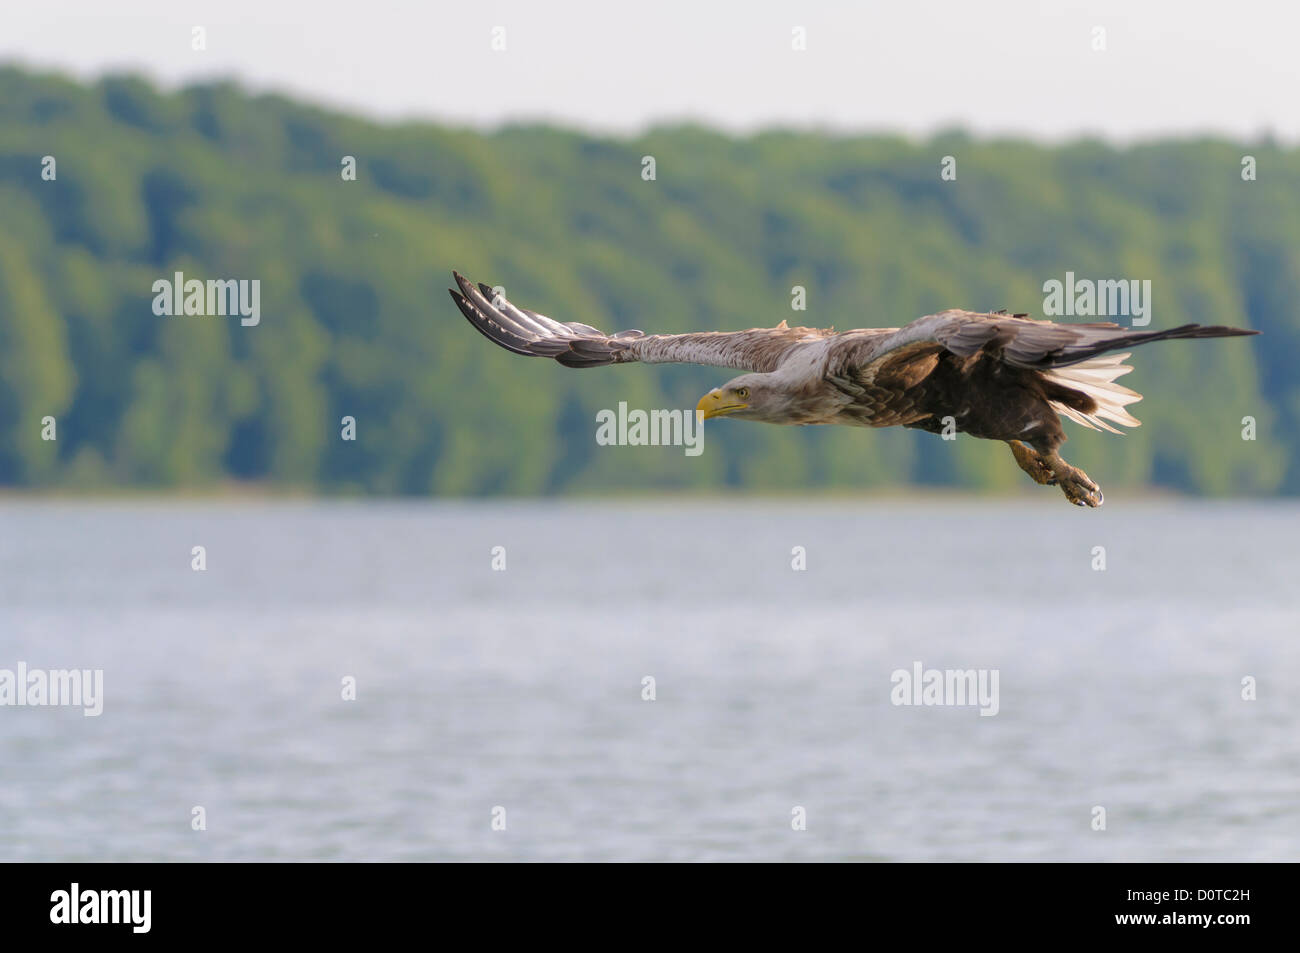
x,y
1017,67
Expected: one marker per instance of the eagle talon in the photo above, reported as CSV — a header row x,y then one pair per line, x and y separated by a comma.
x,y
1081,491
1050,470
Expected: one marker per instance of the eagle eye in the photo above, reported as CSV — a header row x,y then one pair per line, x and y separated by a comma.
x,y
742,393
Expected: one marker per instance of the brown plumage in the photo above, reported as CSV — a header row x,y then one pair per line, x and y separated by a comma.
x,y
995,376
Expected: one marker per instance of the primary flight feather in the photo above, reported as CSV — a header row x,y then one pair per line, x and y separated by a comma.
x,y
995,376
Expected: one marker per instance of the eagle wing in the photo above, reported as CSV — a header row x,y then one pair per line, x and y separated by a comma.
x,y
882,367
579,345
1014,339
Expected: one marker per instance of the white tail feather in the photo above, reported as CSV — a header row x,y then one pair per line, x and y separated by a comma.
x,y
1096,378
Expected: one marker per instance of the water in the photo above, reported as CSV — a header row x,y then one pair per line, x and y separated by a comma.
x,y
523,689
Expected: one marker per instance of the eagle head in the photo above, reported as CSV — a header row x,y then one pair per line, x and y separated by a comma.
x,y
748,396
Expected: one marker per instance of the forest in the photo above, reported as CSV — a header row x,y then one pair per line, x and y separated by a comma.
x,y
349,230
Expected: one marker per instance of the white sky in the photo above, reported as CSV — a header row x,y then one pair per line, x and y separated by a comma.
x,y
992,66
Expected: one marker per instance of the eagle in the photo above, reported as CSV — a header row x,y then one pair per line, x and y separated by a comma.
x,y
990,375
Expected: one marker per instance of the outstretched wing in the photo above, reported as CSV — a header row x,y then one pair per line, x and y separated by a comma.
x,y
1015,340
1079,381
580,345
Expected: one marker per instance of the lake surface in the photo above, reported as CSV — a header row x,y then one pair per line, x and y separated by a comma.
x,y
522,689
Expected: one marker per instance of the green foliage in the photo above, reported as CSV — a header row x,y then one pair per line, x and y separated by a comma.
x,y
355,321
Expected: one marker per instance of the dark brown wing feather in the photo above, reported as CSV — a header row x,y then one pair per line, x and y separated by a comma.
x,y
1033,345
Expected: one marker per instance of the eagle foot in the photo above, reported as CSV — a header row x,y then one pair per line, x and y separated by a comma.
x,y
1078,487
1049,469
1029,461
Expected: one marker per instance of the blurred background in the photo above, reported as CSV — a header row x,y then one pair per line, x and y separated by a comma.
x,y
508,142
161,168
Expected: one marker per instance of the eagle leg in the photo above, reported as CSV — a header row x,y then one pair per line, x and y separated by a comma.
x,y
1029,461
1075,484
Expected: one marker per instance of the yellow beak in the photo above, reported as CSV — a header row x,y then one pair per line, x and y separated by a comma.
x,y
717,404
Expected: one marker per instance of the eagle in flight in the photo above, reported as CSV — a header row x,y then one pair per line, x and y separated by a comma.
x,y
995,376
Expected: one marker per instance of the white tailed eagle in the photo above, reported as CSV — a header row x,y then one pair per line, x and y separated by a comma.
x,y
995,376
